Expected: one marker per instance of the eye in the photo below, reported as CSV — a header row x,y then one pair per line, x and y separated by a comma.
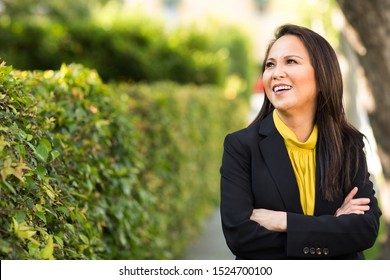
x,y
291,61
269,65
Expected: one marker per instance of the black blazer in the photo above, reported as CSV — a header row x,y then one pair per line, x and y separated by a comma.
x,y
256,172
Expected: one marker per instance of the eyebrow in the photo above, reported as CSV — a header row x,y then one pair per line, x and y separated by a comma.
x,y
287,56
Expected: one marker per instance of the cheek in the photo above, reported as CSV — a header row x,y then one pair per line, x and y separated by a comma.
x,y
267,94
311,80
307,85
266,79
267,85
312,87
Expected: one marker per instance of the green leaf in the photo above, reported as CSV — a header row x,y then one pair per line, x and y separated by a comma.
x,y
42,152
84,238
20,216
54,154
15,225
43,149
5,247
9,186
63,210
50,192
23,231
33,248
41,215
28,100
21,149
41,172
5,70
46,143
47,253
13,109
71,228
23,134
59,241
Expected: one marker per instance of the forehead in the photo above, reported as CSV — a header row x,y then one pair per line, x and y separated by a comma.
x,y
288,45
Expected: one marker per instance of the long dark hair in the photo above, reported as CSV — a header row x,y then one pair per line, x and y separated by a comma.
x,y
338,143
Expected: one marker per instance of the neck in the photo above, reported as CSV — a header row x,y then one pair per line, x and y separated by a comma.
x,y
301,124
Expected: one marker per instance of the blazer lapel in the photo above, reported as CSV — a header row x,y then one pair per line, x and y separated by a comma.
x,y
278,162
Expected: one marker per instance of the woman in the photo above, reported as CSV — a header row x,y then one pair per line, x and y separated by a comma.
x,y
294,184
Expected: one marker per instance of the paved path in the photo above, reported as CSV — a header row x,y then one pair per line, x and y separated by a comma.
x,y
211,244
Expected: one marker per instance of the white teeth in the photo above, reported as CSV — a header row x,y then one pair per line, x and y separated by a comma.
x,y
278,88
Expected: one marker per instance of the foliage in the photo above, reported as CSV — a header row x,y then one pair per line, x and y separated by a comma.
x,y
46,199
96,171
128,47
228,42
64,11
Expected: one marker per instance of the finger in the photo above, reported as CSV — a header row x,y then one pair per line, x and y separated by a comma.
x,y
354,209
351,194
360,201
360,208
359,212
350,208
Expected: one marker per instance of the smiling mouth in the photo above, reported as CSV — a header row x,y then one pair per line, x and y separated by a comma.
x,y
277,89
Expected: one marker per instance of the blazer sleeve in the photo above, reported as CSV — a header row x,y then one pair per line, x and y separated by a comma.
x,y
244,237
309,236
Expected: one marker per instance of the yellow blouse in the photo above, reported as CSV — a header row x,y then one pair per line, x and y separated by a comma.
x,y
303,160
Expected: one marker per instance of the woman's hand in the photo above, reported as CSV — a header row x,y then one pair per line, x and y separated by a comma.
x,y
271,220
350,205
277,220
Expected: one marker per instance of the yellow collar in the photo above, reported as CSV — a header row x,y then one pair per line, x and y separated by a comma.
x,y
289,136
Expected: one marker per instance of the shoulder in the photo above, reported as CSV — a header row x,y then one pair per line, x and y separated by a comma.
x,y
244,137
254,132
240,145
353,141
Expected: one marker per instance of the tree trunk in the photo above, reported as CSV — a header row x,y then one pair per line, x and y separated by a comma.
x,y
371,21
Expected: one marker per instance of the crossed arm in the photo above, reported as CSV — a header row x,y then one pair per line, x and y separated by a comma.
x,y
277,220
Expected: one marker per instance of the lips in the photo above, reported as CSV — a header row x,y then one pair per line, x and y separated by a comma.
x,y
279,88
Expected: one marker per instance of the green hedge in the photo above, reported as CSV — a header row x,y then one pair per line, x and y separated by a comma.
x,y
96,171
137,49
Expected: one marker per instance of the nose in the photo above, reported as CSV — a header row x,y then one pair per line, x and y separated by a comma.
x,y
278,72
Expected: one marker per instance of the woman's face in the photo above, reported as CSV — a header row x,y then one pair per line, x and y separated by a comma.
x,y
289,78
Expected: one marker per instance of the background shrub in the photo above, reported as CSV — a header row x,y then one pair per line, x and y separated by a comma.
x,y
135,48
96,171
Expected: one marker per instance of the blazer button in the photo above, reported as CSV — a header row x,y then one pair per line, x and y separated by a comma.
x,y
312,251
319,251
325,251
306,250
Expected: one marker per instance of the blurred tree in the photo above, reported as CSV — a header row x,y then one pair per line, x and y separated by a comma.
x,y
69,10
371,21
171,2
261,4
